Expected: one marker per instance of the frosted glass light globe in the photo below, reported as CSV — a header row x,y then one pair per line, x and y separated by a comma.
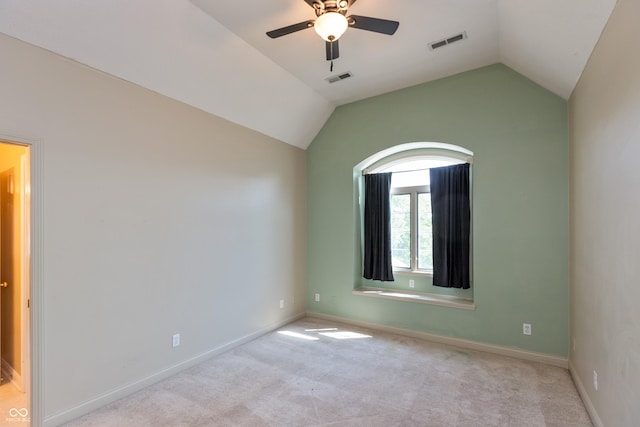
x,y
331,25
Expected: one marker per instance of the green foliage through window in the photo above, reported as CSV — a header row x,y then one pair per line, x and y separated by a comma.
x,y
425,238
401,230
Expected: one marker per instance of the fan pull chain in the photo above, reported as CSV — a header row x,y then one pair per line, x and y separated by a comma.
x,y
332,56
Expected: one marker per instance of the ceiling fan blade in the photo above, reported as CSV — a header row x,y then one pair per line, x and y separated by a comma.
x,y
333,50
290,29
377,25
310,3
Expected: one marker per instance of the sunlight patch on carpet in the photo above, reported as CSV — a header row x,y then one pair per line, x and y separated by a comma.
x,y
298,335
344,335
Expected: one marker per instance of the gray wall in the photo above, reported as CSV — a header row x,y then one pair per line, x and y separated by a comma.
x,y
605,222
518,133
158,219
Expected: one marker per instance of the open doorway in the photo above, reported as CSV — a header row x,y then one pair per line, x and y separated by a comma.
x,y
15,328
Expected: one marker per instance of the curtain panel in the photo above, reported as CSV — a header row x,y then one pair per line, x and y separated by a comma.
x,y
377,227
451,225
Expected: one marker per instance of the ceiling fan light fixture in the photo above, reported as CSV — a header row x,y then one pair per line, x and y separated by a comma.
x,y
331,25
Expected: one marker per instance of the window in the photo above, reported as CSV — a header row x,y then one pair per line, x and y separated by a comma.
x,y
410,202
411,240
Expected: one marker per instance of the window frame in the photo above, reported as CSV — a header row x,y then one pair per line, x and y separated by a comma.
x,y
413,192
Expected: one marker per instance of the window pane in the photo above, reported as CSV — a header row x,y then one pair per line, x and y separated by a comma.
x,y
425,240
410,179
401,230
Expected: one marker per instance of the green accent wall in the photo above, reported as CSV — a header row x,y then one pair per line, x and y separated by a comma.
x,y
517,131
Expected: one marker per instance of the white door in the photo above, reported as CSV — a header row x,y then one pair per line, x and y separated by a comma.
x,y
3,284
7,236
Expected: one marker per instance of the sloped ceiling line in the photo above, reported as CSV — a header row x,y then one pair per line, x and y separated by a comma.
x,y
216,57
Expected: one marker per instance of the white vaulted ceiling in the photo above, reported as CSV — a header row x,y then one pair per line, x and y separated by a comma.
x,y
215,55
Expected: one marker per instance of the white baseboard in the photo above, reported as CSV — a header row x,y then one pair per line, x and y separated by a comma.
x,y
457,342
582,391
132,387
8,373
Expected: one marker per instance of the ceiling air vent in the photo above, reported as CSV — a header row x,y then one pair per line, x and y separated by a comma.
x,y
339,77
441,43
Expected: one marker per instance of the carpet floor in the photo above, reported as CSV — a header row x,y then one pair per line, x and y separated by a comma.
x,y
14,405
321,373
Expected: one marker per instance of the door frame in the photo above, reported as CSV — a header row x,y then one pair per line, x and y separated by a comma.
x,y
34,265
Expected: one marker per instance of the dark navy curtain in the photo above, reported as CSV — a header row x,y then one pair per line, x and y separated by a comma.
x,y
451,225
377,227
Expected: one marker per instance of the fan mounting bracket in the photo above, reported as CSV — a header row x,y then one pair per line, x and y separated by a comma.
x,y
323,6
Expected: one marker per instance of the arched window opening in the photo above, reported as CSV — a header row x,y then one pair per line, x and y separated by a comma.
x,y
411,218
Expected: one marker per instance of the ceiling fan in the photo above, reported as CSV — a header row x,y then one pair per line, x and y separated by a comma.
x,y
332,21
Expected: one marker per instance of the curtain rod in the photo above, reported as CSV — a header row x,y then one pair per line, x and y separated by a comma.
x,y
366,171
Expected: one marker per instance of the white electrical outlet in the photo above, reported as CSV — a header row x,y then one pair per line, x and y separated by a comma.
x,y
281,303
317,297
595,380
526,328
176,340
412,283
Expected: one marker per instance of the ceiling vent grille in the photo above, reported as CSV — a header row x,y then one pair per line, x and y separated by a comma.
x,y
444,42
337,78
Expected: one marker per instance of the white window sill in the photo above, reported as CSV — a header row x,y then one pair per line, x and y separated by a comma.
x,y
424,298
414,273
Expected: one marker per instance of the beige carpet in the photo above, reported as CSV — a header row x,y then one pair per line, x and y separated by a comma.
x,y
319,373
14,406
